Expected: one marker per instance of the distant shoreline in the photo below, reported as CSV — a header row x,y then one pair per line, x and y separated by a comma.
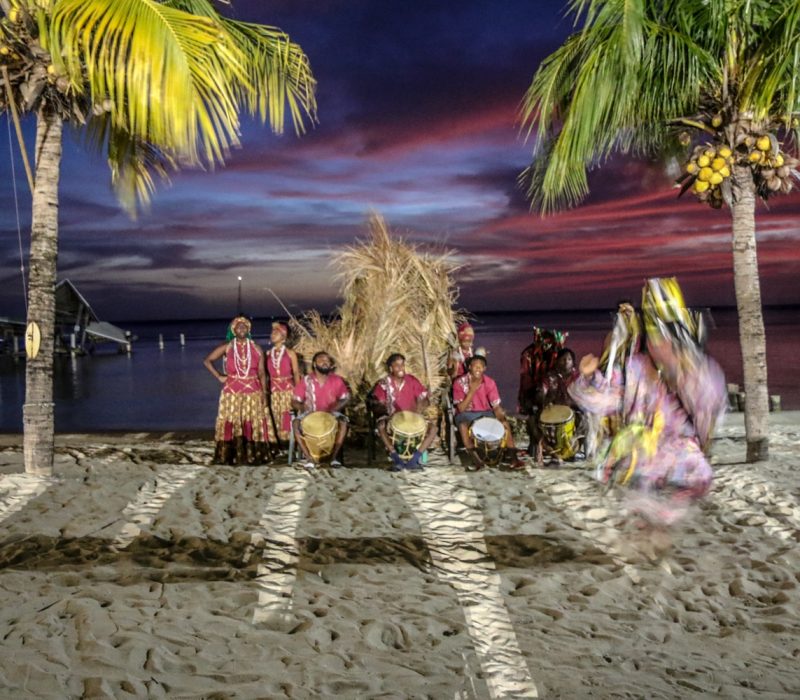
x,y
473,312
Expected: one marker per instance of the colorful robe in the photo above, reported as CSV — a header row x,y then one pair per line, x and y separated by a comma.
x,y
658,450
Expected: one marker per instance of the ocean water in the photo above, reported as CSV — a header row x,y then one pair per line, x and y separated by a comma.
x,y
170,389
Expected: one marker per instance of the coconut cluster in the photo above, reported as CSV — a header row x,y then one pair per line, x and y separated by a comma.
x,y
708,170
710,165
35,80
773,170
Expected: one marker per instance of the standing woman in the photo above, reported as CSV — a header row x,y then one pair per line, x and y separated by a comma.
x,y
242,431
284,373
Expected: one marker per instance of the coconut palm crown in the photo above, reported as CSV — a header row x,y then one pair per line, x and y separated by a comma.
x,y
158,85
713,82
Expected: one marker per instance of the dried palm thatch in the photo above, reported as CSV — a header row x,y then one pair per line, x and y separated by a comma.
x,y
397,298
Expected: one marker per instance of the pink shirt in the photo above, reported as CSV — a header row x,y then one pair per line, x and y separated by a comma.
x,y
399,396
321,397
484,399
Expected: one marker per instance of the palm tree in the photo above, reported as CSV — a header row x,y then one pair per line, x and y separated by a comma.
x,y
654,77
158,84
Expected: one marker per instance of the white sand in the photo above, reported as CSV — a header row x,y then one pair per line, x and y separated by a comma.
x,y
141,572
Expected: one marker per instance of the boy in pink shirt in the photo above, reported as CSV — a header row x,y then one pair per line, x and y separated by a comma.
x,y
475,395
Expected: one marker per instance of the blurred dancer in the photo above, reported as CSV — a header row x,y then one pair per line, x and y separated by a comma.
x,y
669,396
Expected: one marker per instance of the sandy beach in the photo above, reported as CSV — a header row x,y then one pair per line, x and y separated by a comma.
x,y
140,571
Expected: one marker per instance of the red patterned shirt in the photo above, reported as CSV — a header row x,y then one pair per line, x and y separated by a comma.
x,y
321,397
399,396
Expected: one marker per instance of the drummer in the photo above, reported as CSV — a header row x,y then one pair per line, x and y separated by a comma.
x,y
400,391
554,390
321,390
475,395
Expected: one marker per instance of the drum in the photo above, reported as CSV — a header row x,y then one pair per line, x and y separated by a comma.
x,y
489,436
558,426
407,430
319,433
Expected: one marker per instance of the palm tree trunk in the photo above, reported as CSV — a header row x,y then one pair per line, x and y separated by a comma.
x,y
38,409
751,321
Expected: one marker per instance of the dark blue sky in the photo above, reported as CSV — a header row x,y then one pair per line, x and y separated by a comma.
x,y
418,120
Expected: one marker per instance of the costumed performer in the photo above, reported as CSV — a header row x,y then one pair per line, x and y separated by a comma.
x,y
670,397
554,391
242,431
535,361
284,374
400,391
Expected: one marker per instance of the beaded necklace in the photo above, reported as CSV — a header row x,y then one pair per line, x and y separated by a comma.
x,y
276,360
242,364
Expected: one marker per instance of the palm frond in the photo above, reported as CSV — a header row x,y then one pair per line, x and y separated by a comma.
x,y
175,76
170,76
612,86
279,73
770,85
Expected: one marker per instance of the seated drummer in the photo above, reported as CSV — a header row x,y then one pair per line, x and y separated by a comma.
x,y
399,391
554,390
322,390
475,395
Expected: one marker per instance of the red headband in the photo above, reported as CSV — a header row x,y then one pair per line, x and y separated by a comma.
x,y
282,327
464,330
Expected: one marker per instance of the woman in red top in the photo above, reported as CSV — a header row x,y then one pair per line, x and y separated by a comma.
x,y
284,374
242,431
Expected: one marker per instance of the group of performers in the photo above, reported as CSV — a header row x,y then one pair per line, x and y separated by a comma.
x,y
265,400
645,409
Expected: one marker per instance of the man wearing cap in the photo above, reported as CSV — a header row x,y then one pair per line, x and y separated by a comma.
x,y
475,395
457,359
284,374
400,391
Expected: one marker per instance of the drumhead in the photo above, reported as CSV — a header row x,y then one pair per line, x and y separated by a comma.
x,y
488,429
407,423
318,424
556,414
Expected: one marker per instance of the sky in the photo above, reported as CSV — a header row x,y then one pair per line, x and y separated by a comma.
x,y
418,119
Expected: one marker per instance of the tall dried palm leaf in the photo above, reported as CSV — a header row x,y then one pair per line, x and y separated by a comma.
x,y
397,298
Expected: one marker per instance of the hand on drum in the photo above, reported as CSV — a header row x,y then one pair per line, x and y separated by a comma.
x,y
588,365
